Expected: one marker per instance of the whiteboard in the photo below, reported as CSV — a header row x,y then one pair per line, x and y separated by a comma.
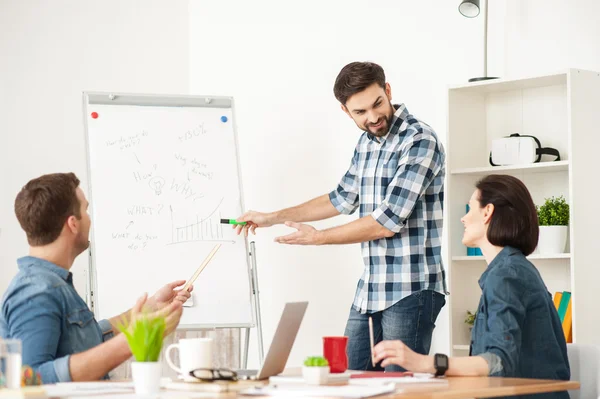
x,y
163,171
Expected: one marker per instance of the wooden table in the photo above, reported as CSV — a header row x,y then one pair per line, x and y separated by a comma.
x,y
457,388
470,387
482,387
463,388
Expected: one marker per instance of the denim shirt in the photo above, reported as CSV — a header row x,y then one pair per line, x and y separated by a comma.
x,y
43,310
517,328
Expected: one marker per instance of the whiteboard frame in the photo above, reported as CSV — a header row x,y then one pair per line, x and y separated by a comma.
x,y
109,98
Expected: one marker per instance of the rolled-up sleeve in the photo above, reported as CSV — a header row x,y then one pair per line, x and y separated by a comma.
x,y
505,316
107,330
345,198
61,369
37,323
493,361
419,164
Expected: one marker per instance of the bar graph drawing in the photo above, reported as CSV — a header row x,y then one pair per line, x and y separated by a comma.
x,y
197,229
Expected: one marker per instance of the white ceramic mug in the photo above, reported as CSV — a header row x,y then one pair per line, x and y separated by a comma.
x,y
194,353
10,363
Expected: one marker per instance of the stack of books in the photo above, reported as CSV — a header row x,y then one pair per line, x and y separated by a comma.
x,y
473,251
562,303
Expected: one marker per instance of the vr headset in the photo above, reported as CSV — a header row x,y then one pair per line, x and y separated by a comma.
x,y
519,149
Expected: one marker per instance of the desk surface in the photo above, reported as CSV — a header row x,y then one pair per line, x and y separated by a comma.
x,y
470,387
483,387
457,388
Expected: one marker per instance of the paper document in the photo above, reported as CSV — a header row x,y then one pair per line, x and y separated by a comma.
x,y
107,390
79,389
334,378
342,391
416,379
162,395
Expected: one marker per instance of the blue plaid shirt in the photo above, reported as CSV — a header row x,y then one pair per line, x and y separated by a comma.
x,y
397,179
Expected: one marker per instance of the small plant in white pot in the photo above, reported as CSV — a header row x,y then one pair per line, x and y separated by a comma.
x,y
553,219
145,337
470,320
315,370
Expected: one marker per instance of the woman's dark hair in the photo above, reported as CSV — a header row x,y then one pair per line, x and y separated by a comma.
x,y
514,221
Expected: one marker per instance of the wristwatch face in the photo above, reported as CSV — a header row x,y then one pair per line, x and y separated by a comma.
x,y
440,364
441,361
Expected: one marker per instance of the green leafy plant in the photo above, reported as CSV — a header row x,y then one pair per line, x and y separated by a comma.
x,y
145,337
470,319
316,361
554,212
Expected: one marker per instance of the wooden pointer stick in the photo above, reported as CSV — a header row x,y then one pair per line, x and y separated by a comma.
x,y
202,266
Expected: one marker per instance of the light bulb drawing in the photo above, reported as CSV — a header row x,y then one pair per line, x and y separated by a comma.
x,y
157,183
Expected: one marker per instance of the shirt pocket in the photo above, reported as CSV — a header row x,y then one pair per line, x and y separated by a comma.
x,y
80,318
387,171
480,326
389,164
82,332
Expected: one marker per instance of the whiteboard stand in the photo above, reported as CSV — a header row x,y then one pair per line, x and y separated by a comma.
x,y
256,305
148,136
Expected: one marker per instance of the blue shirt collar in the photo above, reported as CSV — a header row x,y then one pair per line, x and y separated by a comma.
x,y
33,262
498,260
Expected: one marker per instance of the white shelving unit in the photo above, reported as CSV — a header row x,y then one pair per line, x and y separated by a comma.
x,y
563,111
461,348
530,257
541,167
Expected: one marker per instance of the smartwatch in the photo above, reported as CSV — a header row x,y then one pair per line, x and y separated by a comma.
x,y
440,363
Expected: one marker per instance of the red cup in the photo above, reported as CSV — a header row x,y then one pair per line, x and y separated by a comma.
x,y
334,350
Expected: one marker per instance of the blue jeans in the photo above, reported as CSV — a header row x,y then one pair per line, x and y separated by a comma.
x,y
411,320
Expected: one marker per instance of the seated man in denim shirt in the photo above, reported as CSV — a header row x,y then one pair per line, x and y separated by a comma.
x,y
60,337
517,332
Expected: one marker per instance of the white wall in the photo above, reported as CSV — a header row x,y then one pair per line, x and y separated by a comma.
x,y
544,36
49,53
279,60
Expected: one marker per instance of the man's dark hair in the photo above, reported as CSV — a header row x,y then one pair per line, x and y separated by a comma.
x,y
514,221
355,77
44,204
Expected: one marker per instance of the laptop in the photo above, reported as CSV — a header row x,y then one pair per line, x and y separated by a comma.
x,y
282,343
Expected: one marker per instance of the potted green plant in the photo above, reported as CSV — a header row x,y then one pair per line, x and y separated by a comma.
x,y
553,218
315,370
470,319
145,337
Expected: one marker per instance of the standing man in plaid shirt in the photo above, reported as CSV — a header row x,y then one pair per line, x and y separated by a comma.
x,y
396,179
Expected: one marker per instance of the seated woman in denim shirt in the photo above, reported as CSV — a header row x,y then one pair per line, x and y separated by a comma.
x,y
517,332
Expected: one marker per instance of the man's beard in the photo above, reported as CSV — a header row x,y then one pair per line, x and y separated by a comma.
x,y
383,130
